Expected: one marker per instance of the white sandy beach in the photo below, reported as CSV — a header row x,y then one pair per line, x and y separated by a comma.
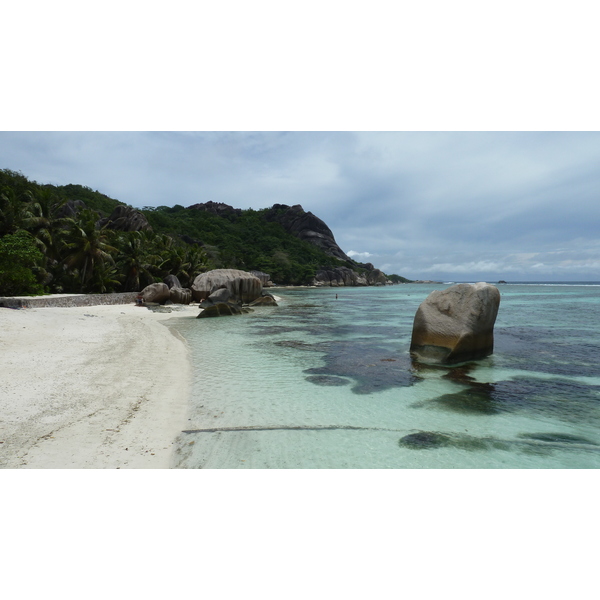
x,y
91,387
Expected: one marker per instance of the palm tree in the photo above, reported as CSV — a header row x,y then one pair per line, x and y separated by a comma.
x,y
105,278
12,211
136,260
88,248
196,262
185,263
161,242
43,222
173,263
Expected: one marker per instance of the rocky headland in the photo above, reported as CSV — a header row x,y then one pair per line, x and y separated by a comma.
x,y
71,239
307,227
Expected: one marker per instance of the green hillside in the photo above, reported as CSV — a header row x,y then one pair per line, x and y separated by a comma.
x,y
244,240
52,240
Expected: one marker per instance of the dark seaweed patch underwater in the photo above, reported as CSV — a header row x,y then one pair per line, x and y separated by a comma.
x,y
564,400
372,367
528,443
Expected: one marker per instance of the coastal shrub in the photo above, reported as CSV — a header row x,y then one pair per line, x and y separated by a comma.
x,y
19,262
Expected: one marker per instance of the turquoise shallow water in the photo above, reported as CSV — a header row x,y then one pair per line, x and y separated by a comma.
x,y
320,382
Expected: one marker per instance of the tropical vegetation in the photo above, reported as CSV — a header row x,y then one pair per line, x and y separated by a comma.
x,y
57,239
45,248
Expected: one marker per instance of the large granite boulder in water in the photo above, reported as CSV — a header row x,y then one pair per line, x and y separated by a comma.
x,y
242,286
456,324
156,292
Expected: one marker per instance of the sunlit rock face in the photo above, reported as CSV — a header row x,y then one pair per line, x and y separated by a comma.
x,y
306,226
456,324
242,286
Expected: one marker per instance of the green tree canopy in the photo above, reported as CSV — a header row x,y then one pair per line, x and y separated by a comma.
x,y
19,261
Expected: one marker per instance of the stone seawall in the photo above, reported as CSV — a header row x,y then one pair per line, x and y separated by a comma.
x,y
67,300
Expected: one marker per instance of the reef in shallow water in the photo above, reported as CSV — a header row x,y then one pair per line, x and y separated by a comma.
x,y
371,366
528,443
563,399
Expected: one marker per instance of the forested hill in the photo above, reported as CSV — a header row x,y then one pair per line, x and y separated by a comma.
x,y
71,239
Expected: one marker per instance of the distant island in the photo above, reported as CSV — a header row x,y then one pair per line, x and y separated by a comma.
x,y
72,239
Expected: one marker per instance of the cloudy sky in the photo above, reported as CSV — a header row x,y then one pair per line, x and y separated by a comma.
x,y
424,203
450,206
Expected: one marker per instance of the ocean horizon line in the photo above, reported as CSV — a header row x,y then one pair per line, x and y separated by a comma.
x,y
526,282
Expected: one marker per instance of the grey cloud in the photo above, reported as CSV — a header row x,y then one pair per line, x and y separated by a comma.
x,y
424,204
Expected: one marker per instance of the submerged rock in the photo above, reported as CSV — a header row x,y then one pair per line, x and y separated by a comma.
x,y
327,380
540,444
220,309
557,437
264,301
216,310
456,324
362,361
424,439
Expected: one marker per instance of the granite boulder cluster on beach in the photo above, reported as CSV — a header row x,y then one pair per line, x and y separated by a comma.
x,y
220,292
451,326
